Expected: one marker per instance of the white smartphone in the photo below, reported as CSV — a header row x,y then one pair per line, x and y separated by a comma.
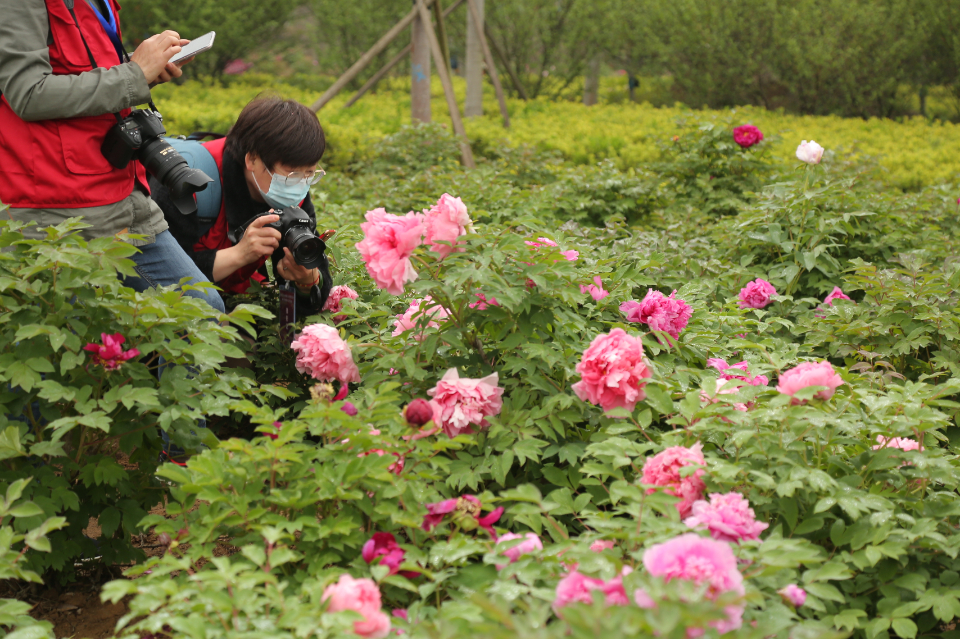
x,y
194,47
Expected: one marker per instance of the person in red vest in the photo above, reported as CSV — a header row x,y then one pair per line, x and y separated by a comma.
x,y
63,76
267,161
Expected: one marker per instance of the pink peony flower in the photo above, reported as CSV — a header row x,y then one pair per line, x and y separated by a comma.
x,y
809,374
349,409
388,242
728,518
571,256
747,135
414,316
835,294
732,371
483,302
531,543
659,312
459,402
333,304
418,412
707,563
756,294
384,545
578,588
810,152
663,469
110,354
613,371
464,512
445,222
601,544
903,443
362,596
323,355
543,241
596,292
793,594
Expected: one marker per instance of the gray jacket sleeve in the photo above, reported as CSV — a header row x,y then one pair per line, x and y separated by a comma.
x,y
28,83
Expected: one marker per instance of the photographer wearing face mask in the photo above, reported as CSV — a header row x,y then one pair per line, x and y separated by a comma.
x,y
66,82
267,162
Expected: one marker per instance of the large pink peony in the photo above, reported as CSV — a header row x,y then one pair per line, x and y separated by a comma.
x,y
595,290
756,294
333,304
362,596
809,374
110,354
459,403
707,563
663,469
414,316
578,588
728,518
388,242
747,135
531,543
323,355
465,512
740,370
613,371
659,312
445,222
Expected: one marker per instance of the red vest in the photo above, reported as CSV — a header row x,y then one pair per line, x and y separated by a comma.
x,y
216,238
57,163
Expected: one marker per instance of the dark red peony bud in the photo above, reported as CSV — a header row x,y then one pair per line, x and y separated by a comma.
x,y
418,412
164,538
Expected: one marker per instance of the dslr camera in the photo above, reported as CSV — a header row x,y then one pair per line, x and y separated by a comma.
x,y
296,233
139,136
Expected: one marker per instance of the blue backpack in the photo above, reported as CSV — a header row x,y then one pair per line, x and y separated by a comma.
x,y
210,199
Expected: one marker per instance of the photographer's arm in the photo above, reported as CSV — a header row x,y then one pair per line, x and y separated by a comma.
x,y
34,93
256,242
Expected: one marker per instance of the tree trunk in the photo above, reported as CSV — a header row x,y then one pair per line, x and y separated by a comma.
x,y
474,65
420,72
591,84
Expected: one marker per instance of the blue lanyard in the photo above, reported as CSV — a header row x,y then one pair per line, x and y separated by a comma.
x,y
110,27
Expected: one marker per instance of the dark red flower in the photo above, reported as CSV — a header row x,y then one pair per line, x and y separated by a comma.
x,y
278,426
384,545
418,412
110,354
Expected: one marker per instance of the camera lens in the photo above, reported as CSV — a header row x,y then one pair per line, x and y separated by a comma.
x,y
167,166
306,247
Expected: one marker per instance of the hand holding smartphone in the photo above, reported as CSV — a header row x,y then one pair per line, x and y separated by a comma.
x,y
187,53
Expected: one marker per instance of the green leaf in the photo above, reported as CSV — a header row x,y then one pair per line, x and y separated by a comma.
x,y
109,521
659,399
905,628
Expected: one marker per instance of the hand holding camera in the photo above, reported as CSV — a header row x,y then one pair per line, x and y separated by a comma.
x,y
259,240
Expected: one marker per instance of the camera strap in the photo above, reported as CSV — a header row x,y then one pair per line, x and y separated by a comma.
x,y
288,312
93,61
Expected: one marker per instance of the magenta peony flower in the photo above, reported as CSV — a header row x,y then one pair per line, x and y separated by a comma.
x,y
596,289
732,371
388,242
323,355
810,152
663,469
809,374
578,588
483,302
793,595
659,312
601,544
110,354
835,294
747,135
414,316
418,412
333,304
459,402
362,596
349,409
612,371
531,543
903,443
464,512
756,294
384,545
705,562
445,222
728,518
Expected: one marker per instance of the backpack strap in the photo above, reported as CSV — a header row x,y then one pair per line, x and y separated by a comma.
x,y
210,200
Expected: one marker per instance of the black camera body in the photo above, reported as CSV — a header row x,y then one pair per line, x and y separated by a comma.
x,y
139,136
296,234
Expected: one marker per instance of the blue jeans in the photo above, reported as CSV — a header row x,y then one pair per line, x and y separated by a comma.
x,y
164,263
